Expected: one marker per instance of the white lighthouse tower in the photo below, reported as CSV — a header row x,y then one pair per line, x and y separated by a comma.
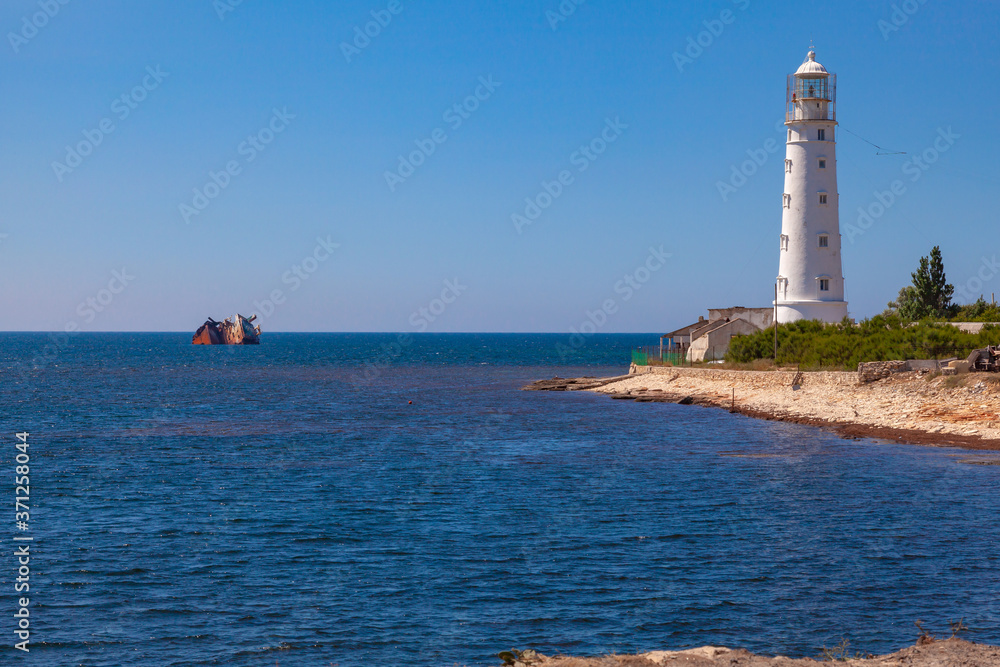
x,y
810,283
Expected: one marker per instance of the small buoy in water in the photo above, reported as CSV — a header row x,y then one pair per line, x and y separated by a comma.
x,y
411,402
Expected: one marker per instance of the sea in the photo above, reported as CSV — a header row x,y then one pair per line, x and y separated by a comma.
x,y
398,500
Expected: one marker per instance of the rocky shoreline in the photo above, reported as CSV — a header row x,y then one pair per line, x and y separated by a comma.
x,y
907,407
926,653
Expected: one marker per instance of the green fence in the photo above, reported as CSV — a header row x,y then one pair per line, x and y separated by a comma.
x,y
652,356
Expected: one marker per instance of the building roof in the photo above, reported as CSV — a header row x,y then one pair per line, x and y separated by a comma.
x,y
706,326
684,331
739,309
734,324
810,66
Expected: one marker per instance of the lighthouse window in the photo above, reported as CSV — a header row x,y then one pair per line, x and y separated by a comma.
x,y
822,199
788,166
824,285
784,241
824,241
789,135
822,164
822,135
787,200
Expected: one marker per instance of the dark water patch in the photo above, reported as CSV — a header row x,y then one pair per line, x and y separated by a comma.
x,y
981,462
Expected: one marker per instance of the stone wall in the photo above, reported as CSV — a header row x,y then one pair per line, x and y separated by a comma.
x,y
876,370
867,372
754,378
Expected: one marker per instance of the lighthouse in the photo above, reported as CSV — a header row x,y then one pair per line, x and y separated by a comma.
x,y
810,282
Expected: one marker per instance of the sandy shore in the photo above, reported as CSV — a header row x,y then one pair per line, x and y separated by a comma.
x,y
960,411
944,653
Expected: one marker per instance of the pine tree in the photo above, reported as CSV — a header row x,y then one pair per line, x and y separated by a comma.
x,y
931,291
928,296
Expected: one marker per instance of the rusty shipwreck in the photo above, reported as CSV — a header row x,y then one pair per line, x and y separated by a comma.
x,y
232,331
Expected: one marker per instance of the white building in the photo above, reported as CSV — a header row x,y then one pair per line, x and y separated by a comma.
x,y
707,340
810,278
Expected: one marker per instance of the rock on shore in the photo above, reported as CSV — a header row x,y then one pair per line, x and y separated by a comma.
x,y
945,653
572,384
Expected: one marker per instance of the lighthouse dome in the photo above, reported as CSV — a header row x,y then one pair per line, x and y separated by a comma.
x,y
810,67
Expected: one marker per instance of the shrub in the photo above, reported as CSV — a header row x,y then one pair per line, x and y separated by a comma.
x,y
814,344
980,311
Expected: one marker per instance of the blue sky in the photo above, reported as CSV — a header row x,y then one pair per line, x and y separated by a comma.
x,y
328,122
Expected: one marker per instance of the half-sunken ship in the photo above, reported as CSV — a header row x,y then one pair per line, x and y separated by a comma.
x,y
232,331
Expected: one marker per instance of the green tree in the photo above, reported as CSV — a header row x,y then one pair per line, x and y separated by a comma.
x,y
906,305
932,289
930,293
